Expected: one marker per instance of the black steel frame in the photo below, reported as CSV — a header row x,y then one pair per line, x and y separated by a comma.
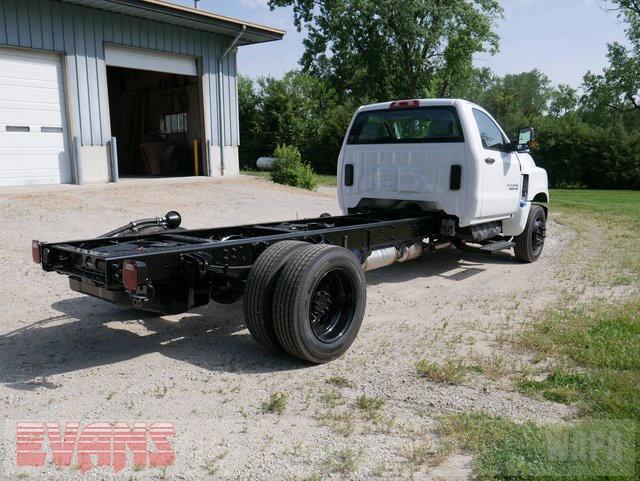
x,y
216,260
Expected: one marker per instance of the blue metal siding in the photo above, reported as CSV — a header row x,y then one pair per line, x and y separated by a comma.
x,y
80,34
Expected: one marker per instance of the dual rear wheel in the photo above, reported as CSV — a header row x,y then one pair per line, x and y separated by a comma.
x,y
306,299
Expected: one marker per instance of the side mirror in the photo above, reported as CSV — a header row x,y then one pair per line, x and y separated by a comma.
x,y
527,139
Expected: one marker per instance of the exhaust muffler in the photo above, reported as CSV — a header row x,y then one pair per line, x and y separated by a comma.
x,y
391,255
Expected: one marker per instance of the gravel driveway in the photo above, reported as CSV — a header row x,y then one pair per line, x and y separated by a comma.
x,y
66,357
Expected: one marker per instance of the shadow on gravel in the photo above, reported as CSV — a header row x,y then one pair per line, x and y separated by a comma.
x,y
93,333
90,332
451,264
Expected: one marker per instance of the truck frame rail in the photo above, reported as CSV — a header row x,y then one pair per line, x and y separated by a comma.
x,y
180,269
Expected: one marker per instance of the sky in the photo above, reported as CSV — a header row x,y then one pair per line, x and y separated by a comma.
x,y
562,38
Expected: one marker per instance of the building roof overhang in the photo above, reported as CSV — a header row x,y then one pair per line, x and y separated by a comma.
x,y
197,19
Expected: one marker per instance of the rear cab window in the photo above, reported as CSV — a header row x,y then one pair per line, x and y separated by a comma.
x,y
406,126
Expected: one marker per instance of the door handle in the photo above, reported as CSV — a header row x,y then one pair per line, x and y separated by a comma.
x,y
490,160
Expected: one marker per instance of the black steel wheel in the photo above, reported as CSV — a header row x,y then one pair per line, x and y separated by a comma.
x,y
258,294
332,305
530,243
319,302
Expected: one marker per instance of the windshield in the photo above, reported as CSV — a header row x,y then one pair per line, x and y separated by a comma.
x,y
402,126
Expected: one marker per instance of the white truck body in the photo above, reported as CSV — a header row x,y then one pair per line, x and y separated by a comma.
x,y
496,182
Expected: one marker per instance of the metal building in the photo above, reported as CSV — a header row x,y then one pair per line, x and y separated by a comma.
x,y
158,77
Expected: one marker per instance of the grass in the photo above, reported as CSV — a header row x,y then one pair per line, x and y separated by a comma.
x,y
343,423
277,403
594,350
313,477
609,202
371,406
323,179
426,453
449,372
493,366
504,449
607,224
332,398
339,381
211,465
604,341
345,461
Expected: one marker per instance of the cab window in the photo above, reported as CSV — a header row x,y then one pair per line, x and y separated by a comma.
x,y
490,133
407,126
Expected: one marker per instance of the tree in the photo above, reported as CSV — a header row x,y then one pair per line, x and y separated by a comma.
x,y
476,86
292,109
250,122
617,89
297,110
517,99
563,100
381,49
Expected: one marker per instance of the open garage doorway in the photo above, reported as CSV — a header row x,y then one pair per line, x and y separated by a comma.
x,y
156,119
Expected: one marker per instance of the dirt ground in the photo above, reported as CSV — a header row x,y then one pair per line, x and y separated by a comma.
x,y
67,357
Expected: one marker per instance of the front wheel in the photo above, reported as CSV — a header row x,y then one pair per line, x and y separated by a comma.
x,y
530,243
319,302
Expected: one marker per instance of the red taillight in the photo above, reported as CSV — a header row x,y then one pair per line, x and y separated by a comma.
x,y
130,275
36,255
404,104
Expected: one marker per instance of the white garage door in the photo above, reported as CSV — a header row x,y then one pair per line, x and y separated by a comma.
x,y
33,130
142,59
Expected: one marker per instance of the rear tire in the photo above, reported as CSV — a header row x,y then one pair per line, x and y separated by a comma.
x,y
530,243
319,303
258,295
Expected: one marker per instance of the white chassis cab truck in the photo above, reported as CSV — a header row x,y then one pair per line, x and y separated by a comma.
x,y
413,175
450,157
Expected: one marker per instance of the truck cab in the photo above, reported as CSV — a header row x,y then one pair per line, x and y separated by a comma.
x,y
442,155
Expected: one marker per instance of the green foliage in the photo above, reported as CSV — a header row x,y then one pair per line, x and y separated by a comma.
x,y
450,372
250,123
370,405
345,461
504,449
515,99
615,216
622,206
326,180
297,110
563,100
615,94
576,153
277,403
598,370
604,340
359,51
339,381
288,169
384,49
616,91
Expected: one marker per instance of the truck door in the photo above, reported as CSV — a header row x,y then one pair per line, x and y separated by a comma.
x,y
501,169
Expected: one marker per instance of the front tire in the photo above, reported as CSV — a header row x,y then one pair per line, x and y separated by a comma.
x,y
530,243
319,303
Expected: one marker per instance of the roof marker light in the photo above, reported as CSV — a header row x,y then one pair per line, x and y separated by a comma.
x,y
404,104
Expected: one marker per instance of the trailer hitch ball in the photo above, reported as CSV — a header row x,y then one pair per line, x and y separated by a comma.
x,y
173,219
